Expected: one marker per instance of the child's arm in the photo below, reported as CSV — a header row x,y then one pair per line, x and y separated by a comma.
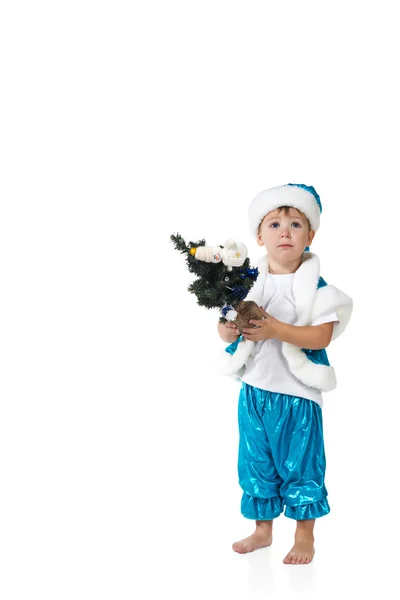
x,y
228,332
310,337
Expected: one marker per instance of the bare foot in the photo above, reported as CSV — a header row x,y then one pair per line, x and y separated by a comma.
x,y
261,538
302,552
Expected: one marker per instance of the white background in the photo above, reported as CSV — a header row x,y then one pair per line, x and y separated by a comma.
x,y
122,123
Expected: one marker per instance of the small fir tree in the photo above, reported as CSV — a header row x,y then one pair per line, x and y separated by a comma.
x,y
219,285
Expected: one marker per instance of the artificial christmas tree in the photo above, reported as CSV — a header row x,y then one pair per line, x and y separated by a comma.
x,y
224,278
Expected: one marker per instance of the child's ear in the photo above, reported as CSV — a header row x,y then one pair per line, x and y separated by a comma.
x,y
311,235
259,240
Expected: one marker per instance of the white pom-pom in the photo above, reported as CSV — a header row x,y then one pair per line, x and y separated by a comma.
x,y
231,315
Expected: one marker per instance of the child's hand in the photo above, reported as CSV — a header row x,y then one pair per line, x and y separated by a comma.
x,y
228,332
266,328
232,328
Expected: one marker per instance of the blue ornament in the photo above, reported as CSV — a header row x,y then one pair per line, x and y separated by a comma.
x,y
239,292
250,274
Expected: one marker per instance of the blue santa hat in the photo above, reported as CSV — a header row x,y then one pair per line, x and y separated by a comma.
x,y
300,196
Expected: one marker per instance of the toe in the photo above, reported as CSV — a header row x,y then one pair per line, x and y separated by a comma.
x,y
240,548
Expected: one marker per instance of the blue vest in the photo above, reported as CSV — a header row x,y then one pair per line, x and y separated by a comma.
x,y
319,357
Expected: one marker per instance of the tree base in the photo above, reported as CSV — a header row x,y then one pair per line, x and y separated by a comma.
x,y
247,309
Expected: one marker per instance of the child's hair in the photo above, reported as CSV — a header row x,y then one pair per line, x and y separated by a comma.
x,y
286,211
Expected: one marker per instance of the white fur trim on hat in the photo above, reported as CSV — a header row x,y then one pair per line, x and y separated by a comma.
x,y
284,195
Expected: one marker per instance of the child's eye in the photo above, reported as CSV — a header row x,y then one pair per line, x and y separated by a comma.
x,y
273,224
296,224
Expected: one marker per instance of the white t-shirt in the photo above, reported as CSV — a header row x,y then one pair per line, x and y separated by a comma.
x,y
267,367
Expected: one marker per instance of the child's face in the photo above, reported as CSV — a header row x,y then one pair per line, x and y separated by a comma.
x,y
285,235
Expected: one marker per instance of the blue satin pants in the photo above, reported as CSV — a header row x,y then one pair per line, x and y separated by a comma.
x,y
281,456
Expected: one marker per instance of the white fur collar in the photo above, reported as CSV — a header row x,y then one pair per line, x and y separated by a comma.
x,y
305,284
310,304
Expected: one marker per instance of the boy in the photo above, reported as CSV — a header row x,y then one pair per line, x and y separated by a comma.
x,y
284,368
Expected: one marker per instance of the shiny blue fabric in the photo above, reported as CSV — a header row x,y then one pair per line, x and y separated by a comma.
x,y
312,191
318,357
281,456
231,349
